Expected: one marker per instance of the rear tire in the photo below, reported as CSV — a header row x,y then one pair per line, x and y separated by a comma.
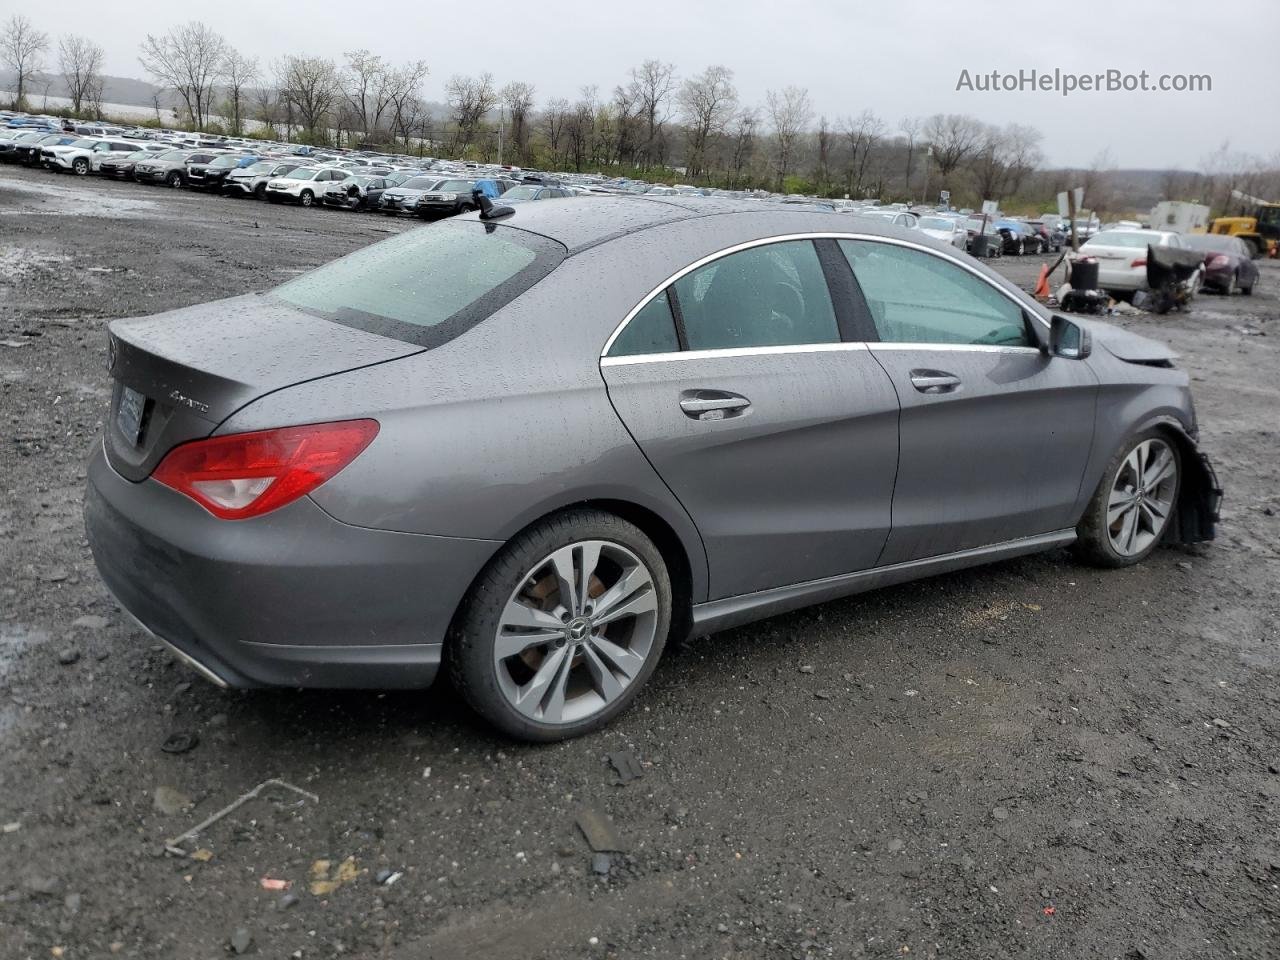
x,y
173,179
80,167
542,669
260,191
1130,512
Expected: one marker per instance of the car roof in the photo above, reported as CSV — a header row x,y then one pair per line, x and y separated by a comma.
x,y
582,222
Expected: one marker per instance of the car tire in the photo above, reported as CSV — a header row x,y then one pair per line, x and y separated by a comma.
x,y
1230,288
1122,524
306,198
260,191
173,179
585,673
80,167
1247,291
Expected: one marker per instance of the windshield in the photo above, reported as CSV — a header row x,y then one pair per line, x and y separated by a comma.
x,y
521,193
173,155
84,144
137,155
260,167
1211,243
936,223
426,286
302,173
1119,238
455,186
420,183
227,161
1269,216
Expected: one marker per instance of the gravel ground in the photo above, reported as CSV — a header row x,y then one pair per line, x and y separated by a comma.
x,y
1034,759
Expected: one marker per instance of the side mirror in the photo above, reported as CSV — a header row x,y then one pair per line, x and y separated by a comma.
x,y
1068,339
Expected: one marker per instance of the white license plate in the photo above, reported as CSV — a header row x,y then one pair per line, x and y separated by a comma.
x,y
129,416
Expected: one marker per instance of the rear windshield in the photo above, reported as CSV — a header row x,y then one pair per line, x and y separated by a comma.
x,y
1211,243
428,285
1120,239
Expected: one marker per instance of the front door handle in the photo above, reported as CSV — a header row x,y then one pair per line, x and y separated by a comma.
x,y
712,404
934,381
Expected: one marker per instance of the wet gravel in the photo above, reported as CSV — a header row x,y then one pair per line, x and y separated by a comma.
x,y
1034,759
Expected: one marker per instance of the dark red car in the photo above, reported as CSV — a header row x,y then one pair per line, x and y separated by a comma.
x,y
1228,267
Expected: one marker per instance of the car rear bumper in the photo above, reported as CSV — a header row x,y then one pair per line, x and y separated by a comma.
x,y
294,598
1121,276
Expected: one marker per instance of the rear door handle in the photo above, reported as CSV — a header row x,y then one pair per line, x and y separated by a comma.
x,y
934,381
712,404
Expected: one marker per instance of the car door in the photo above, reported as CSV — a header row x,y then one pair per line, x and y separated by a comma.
x,y
777,434
994,433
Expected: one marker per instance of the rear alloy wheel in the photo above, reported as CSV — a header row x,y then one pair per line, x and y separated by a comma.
x,y
306,198
563,628
1131,510
80,166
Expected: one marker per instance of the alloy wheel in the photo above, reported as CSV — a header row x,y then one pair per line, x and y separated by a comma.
x,y
1141,498
576,632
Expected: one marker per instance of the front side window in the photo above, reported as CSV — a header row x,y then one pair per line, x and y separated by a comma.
x,y
917,297
426,286
771,295
651,330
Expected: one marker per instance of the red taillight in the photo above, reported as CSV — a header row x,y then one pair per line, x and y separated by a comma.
x,y
244,475
1218,260
1140,262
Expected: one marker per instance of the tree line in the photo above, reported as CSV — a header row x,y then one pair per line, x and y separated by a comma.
x,y
655,124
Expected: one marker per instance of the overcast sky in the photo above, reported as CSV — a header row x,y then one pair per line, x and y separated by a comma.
x,y
896,57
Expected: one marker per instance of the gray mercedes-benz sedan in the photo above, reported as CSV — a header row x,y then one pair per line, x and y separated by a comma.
x,y
536,447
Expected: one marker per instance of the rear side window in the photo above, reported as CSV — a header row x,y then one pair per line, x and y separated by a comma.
x,y
652,330
917,297
428,285
771,295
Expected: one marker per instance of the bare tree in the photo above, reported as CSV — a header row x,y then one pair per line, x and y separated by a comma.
x,y
190,59
554,118
310,84
789,115
469,98
80,61
862,134
517,98
405,102
22,49
707,103
742,134
238,71
954,137
824,140
910,127
651,86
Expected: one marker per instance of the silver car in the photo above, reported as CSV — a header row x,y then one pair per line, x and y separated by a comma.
x,y
536,447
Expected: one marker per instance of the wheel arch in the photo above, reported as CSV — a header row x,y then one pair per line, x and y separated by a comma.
x,y
1200,493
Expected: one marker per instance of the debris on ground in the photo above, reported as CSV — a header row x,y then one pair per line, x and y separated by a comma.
x,y
180,742
174,844
169,801
626,765
241,940
272,883
601,864
325,882
203,855
601,835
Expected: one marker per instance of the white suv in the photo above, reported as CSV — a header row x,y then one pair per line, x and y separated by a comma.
x,y
83,156
304,185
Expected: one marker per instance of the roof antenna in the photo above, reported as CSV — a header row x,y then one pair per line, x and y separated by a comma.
x,y
487,210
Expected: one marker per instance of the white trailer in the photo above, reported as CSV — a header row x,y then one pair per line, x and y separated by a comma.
x,y
1180,216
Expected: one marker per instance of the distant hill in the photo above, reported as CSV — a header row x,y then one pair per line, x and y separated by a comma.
x,y
125,90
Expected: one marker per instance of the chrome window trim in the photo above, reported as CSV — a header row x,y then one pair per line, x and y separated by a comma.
x,y
841,347
822,235
880,346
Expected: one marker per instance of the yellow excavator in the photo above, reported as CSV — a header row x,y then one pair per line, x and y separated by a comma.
x,y
1258,225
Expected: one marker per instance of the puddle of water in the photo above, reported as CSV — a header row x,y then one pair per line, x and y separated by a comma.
x,y
14,638
58,200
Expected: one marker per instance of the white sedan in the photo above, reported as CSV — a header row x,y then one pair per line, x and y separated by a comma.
x,y
947,229
1122,256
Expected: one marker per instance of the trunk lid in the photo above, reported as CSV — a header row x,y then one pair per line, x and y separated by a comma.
x,y
177,375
